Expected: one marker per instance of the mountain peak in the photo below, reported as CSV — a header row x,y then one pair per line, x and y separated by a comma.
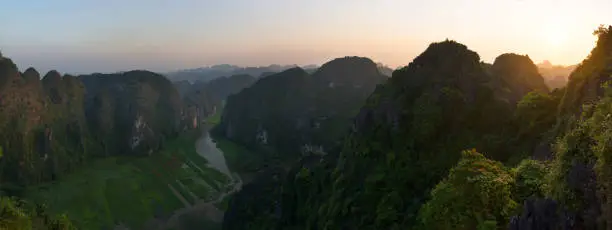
x,y
519,74
348,70
52,77
31,75
443,53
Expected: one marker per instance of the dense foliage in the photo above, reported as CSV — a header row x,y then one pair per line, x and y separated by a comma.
x,y
477,194
20,215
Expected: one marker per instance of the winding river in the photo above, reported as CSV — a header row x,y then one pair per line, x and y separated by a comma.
x,y
207,148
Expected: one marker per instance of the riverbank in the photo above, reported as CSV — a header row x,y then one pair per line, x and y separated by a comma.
x,y
132,191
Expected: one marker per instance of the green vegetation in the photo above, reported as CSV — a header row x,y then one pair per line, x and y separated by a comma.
x,y
131,190
477,194
530,179
215,119
18,214
238,158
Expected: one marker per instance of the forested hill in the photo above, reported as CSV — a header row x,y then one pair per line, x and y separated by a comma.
x,y
449,142
294,112
408,135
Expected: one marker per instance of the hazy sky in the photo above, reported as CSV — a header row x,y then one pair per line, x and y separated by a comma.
x,y
81,36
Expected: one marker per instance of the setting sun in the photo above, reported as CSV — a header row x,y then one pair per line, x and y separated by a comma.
x,y
555,36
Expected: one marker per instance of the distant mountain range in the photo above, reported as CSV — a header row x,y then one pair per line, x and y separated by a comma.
x,y
555,76
205,74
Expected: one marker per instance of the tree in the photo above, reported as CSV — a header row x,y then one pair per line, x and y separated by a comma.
x,y
21,215
477,194
601,30
535,112
529,179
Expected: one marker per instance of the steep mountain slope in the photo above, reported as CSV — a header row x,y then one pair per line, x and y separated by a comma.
x,y
410,133
294,112
584,83
255,115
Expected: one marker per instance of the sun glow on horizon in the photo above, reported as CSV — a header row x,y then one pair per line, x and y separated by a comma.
x,y
556,36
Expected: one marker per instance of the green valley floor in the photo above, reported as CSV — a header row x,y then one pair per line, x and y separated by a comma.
x,y
136,192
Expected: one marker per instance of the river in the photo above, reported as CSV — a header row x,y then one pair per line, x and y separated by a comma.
x,y
207,148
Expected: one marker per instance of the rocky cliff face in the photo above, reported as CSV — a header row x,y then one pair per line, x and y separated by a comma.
x,y
132,112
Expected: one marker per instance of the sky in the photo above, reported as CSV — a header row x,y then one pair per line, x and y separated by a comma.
x,y
84,36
